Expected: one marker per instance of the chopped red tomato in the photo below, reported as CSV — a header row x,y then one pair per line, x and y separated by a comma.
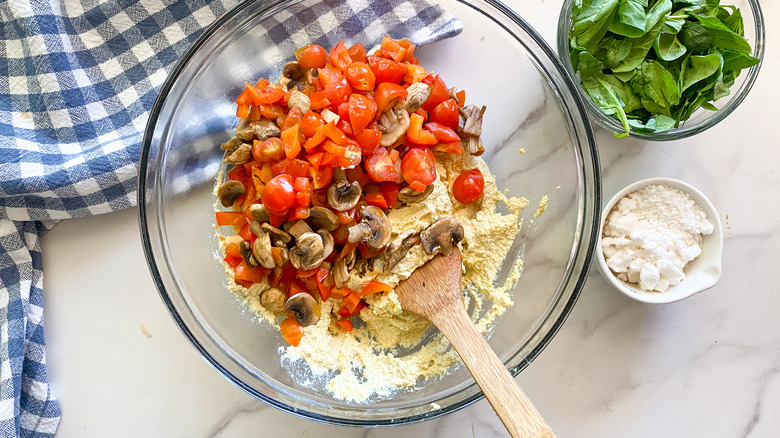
x,y
246,273
439,93
310,123
448,148
380,167
393,49
339,56
357,53
387,93
368,139
386,70
445,113
417,166
269,150
442,133
376,199
362,110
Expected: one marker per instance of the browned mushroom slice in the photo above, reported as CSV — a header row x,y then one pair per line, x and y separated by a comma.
x,y
298,227
259,213
304,308
417,94
342,267
274,300
231,144
261,250
472,125
374,228
244,130
441,235
265,129
321,217
293,70
344,195
393,123
328,242
399,247
278,237
299,100
308,252
246,253
409,195
229,192
240,155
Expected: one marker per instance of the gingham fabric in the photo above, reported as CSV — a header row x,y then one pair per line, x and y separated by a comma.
x,y
77,80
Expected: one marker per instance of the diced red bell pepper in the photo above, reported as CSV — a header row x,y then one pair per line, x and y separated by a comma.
x,y
291,142
449,148
390,191
292,331
345,325
373,287
377,200
233,260
234,218
442,133
416,134
246,273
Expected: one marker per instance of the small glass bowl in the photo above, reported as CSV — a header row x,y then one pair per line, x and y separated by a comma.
x,y
701,273
701,119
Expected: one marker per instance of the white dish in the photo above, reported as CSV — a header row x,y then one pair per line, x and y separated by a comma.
x,y
700,274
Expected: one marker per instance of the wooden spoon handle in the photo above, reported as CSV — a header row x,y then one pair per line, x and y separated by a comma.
x,y
513,407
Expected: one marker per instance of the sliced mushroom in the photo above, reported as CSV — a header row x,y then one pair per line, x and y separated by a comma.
x,y
299,227
240,155
229,192
293,70
441,235
343,195
304,308
246,253
309,251
321,217
417,94
244,130
471,119
274,300
473,145
261,249
393,123
230,145
374,228
256,228
299,100
259,213
328,242
265,129
410,195
278,237
342,267
399,247
453,92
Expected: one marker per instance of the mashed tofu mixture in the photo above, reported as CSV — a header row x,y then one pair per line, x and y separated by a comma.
x,y
392,350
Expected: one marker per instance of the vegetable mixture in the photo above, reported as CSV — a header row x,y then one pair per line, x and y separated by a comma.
x,y
652,63
319,160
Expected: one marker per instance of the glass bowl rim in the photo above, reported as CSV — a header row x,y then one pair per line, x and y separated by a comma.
x,y
686,131
149,253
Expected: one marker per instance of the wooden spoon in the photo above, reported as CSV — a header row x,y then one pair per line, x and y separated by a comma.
x,y
433,292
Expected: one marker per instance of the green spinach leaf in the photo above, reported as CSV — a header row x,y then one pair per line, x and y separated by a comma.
x,y
640,46
656,88
697,68
668,47
630,19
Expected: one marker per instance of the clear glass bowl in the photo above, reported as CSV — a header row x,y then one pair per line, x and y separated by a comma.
x,y
532,104
701,119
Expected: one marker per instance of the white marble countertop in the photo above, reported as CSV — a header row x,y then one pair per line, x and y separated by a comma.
x,y
706,366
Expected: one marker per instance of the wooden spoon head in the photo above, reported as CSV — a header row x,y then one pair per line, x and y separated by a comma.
x,y
432,287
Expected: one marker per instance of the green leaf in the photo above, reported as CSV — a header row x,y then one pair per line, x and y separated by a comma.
x,y
709,106
612,50
668,47
722,36
591,22
737,61
734,20
598,88
630,19
674,23
695,37
640,46
653,125
656,87
697,68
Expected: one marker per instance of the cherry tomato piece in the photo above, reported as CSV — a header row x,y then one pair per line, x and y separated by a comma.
x,y
360,76
468,186
379,166
362,110
279,195
292,331
386,70
312,56
268,150
445,113
418,166
310,123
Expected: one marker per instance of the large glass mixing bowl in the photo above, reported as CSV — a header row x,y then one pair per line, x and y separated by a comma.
x,y
532,104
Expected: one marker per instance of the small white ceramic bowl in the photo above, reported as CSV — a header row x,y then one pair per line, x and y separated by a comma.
x,y
700,274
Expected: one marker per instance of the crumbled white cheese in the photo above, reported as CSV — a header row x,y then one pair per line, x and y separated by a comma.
x,y
651,234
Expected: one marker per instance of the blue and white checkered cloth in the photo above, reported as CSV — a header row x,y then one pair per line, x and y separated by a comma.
x,y
77,80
